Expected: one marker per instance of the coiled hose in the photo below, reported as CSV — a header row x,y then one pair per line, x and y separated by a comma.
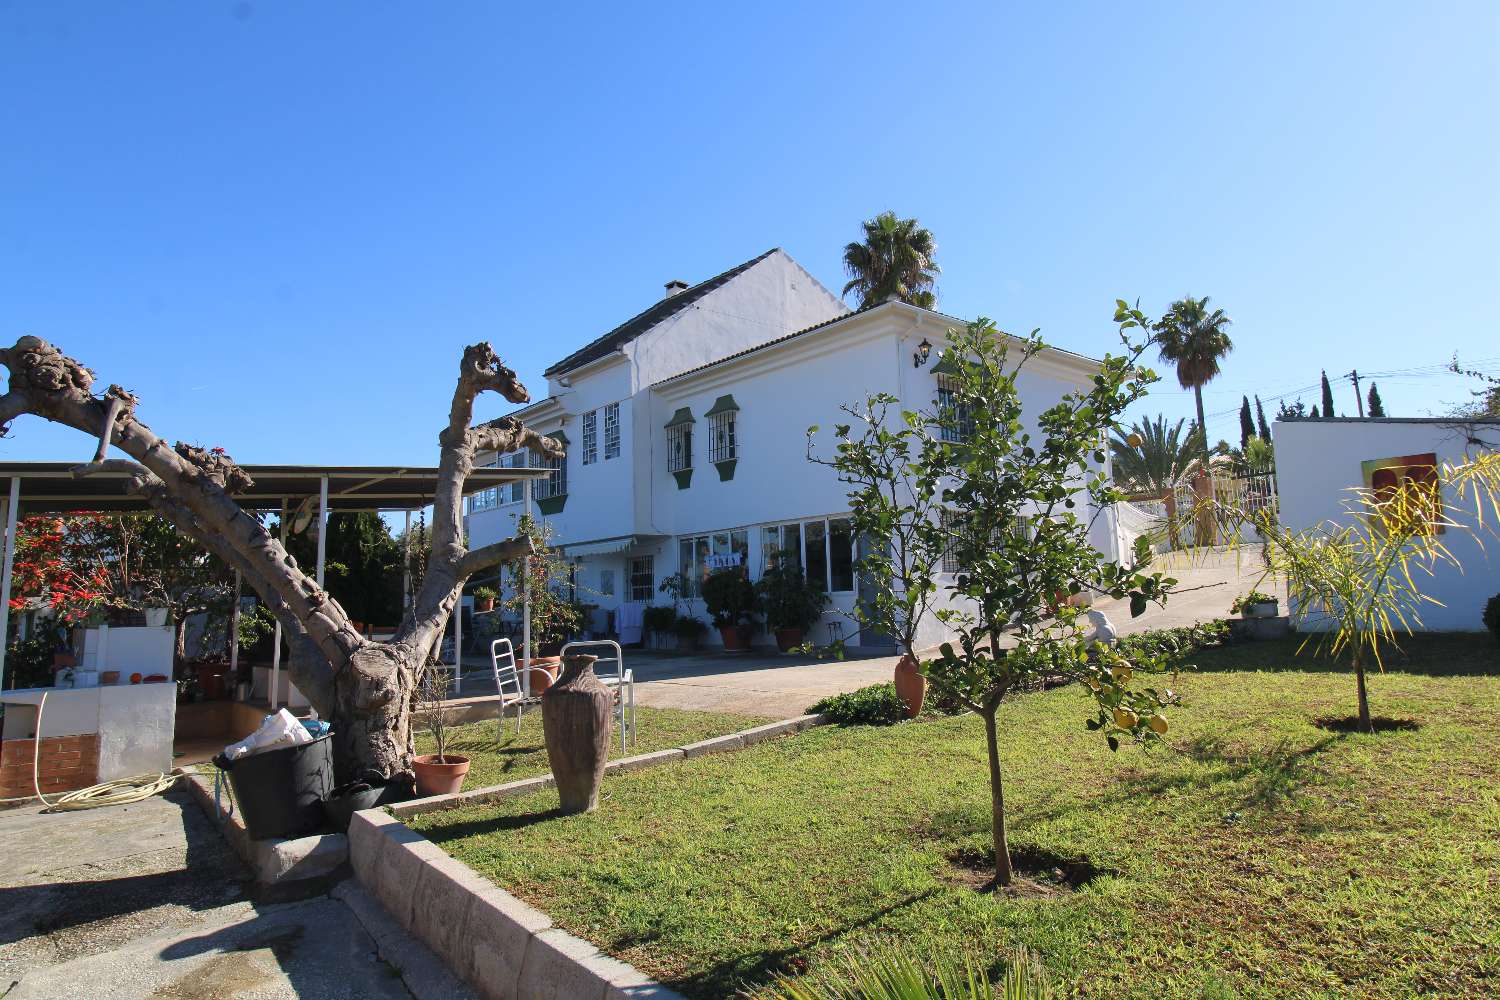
x,y
121,791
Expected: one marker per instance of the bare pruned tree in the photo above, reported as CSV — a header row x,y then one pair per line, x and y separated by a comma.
x,y
364,687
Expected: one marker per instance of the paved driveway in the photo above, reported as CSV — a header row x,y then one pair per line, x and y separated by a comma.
x,y
783,686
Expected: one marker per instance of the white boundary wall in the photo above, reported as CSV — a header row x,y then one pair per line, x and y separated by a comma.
x,y
1319,461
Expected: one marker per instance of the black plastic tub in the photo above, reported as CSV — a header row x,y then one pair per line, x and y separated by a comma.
x,y
280,793
343,803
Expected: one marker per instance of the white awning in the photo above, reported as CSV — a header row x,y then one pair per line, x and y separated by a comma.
x,y
608,547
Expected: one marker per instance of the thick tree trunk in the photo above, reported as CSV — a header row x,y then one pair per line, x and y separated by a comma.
x,y
364,688
1366,724
1004,872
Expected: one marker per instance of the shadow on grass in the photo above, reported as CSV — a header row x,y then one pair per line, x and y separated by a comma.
x,y
735,976
1461,654
1345,724
491,824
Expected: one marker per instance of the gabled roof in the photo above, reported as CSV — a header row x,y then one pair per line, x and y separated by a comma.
x,y
644,321
756,349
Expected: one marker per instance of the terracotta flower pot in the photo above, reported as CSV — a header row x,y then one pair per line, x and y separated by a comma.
x,y
911,686
484,604
788,639
736,638
576,719
109,677
440,775
544,671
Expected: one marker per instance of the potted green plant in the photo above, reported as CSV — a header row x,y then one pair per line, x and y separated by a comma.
x,y
1255,605
689,631
658,620
792,605
440,773
731,600
484,599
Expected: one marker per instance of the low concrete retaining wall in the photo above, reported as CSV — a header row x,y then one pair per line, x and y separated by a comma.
x,y
503,946
525,786
273,861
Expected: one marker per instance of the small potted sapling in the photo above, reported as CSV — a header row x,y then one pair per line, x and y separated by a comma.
x,y
439,773
792,605
1255,605
657,621
731,600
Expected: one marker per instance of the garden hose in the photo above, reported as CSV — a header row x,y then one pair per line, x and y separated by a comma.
x,y
121,791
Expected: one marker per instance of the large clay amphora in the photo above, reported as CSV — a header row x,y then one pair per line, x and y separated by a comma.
x,y
576,720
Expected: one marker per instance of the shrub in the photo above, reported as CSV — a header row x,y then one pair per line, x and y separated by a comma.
x,y
876,705
730,597
895,975
688,627
1172,642
1492,616
659,619
790,601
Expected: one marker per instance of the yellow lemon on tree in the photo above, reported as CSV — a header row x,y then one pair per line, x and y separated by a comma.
x,y
1158,723
1125,718
1121,672
1093,682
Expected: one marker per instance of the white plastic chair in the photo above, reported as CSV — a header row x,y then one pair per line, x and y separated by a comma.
x,y
611,671
507,683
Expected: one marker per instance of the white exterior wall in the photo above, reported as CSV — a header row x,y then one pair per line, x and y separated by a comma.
x,y
1319,461
780,390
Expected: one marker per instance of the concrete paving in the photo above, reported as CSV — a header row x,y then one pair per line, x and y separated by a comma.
x,y
147,900
780,686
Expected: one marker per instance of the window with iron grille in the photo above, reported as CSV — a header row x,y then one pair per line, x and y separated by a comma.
x,y
591,437
485,499
721,440
951,522
555,485
957,425
517,488
612,431
679,447
642,578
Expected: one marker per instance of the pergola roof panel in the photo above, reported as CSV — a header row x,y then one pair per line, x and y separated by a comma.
x,y
51,487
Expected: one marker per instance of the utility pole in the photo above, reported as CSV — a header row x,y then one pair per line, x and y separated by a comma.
x,y
1354,374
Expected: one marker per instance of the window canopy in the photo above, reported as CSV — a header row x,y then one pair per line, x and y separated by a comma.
x,y
724,404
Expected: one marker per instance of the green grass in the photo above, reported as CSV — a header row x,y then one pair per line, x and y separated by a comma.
x,y
495,759
1257,856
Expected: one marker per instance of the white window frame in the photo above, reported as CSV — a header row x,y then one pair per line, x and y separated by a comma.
x,y
487,499
590,437
826,583
717,543
611,431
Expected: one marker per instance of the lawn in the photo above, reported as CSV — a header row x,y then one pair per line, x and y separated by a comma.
x,y
1259,855
495,759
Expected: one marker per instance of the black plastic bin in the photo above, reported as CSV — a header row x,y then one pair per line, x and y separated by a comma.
x,y
280,793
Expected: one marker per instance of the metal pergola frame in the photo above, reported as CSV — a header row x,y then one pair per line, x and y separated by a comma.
x,y
53,488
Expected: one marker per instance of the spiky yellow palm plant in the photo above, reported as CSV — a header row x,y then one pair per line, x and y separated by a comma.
x,y
894,975
1358,579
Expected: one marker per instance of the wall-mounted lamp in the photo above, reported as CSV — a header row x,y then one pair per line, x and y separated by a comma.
x,y
924,351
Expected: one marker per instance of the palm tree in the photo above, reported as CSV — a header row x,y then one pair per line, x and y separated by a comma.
x,y
894,259
1155,460
1194,340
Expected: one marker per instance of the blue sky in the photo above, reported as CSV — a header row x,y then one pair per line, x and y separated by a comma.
x,y
280,223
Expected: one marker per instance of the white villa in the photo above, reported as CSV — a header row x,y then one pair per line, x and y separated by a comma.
x,y
686,435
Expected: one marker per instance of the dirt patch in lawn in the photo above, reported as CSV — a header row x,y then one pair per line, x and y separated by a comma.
x,y
1038,872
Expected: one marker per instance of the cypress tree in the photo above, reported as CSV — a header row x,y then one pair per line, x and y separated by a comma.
x,y
1376,407
1247,423
1260,421
1327,398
